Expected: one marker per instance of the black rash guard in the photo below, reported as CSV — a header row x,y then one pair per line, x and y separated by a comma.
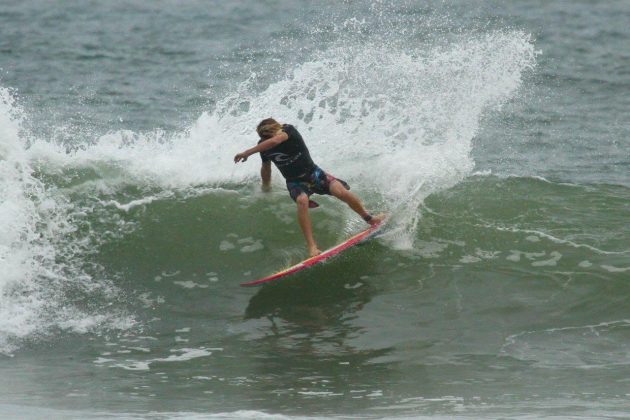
x,y
291,157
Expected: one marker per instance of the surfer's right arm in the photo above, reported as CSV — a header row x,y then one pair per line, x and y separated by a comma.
x,y
265,175
280,137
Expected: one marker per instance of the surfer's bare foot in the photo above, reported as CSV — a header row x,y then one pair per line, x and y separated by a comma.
x,y
313,251
375,220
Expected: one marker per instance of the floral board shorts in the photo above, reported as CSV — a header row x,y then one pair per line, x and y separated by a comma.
x,y
318,182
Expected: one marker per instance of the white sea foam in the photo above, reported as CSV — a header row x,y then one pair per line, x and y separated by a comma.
x,y
34,269
613,269
186,355
140,202
22,255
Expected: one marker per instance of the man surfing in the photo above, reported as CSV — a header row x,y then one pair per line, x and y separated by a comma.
x,y
283,145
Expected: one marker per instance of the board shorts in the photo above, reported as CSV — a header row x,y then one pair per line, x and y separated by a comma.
x,y
318,182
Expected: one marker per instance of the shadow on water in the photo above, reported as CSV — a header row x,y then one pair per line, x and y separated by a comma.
x,y
320,295
313,345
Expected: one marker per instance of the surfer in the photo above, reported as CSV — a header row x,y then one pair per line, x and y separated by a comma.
x,y
283,145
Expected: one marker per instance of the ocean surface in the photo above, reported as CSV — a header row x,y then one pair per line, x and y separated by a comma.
x,y
495,134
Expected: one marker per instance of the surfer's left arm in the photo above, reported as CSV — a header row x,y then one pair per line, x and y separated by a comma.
x,y
262,146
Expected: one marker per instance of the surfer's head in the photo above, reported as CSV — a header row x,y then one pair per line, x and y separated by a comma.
x,y
267,128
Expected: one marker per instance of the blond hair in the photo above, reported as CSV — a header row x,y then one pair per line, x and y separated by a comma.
x,y
267,128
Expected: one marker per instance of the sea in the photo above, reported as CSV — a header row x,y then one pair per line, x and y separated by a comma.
x,y
495,135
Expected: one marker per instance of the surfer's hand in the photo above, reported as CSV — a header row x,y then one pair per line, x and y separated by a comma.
x,y
240,157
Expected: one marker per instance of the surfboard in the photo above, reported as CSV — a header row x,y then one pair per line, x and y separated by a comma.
x,y
309,262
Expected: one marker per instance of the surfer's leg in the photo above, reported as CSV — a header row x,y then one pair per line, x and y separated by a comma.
x,y
337,189
304,220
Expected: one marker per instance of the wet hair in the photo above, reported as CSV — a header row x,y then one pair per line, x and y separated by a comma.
x,y
267,128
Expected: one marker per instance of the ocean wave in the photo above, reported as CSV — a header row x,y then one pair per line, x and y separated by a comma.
x,y
394,119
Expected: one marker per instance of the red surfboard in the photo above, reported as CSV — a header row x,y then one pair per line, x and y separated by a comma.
x,y
356,239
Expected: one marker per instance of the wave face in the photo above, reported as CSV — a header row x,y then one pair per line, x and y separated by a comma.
x,y
125,226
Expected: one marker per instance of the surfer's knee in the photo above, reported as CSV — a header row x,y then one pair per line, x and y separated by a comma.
x,y
302,201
